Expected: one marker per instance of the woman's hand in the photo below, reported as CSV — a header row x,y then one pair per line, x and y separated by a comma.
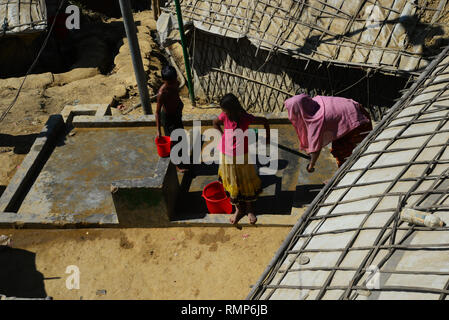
x,y
313,158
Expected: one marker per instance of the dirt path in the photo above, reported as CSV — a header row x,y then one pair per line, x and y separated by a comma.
x,y
174,263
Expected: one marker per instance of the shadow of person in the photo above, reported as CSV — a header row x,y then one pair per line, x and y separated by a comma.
x,y
18,274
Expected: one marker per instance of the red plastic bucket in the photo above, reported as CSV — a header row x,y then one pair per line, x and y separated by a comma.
x,y
163,146
216,199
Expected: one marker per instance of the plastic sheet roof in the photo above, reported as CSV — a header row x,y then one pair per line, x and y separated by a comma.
x,y
22,16
389,35
353,228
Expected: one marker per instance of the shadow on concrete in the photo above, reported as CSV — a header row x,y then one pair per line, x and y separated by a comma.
x,y
279,204
275,201
141,208
282,202
2,189
18,274
191,205
305,194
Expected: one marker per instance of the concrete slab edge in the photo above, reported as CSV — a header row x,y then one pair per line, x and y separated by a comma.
x,y
32,221
96,110
85,121
29,220
39,150
222,220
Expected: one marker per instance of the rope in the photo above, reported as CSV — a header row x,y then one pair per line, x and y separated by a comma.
x,y
8,109
354,84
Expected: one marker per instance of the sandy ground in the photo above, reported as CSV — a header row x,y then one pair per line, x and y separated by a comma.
x,y
174,263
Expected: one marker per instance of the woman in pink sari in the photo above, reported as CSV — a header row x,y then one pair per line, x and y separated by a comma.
x,y
321,120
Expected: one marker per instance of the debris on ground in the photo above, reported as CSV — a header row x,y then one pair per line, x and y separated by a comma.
x,y
101,292
5,241
421,218
302,260
365,293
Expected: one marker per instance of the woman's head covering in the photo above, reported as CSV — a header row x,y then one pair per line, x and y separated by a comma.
x,y
307,116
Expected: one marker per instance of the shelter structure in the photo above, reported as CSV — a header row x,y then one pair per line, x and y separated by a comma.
x,y
268,50
351,242
18,17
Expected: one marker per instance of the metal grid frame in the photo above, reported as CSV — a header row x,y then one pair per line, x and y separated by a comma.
x,y
434,81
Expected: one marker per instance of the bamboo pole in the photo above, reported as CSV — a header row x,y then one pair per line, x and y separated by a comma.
x,y
186,53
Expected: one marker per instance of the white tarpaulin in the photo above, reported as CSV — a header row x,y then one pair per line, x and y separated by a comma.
x,y
388,34
19,17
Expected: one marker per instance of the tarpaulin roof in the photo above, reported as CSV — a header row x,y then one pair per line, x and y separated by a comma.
x,y
352,230
389,35
22,16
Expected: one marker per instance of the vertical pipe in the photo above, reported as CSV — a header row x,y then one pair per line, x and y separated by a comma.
x,y
134,49
186,53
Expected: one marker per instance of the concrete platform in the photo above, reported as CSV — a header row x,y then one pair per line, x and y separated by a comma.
x,y
91,169
77,177
285,194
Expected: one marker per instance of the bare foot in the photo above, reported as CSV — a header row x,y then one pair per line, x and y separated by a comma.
x,y
236,216
252,218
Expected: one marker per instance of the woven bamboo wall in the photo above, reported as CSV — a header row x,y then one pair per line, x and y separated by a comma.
x,y
390,35
264,80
